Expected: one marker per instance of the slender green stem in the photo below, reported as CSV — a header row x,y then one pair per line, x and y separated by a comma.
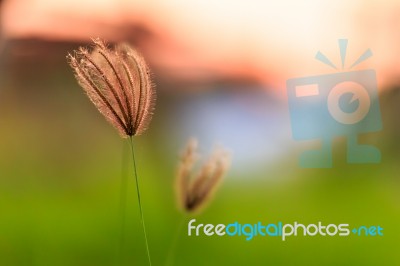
x,y
122,205
139,200
171,253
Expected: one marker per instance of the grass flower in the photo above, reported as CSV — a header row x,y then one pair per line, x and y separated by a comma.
x,y
117,81
194,191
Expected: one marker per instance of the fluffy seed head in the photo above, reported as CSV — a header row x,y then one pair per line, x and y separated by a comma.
x,y
195,191
117,80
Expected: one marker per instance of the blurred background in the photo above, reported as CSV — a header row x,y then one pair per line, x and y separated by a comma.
x,y
220,69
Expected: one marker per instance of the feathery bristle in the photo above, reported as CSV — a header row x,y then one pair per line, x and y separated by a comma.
x,y
194,193
118,82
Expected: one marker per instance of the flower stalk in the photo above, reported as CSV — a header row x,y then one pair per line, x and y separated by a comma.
x,y
117,81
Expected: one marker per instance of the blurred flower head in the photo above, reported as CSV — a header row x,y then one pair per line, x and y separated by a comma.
x,y
194,191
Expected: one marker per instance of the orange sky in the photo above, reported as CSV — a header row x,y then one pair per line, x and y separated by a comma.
x,y
270,41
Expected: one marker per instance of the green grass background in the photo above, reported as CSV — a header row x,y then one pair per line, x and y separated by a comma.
x,y
60,177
